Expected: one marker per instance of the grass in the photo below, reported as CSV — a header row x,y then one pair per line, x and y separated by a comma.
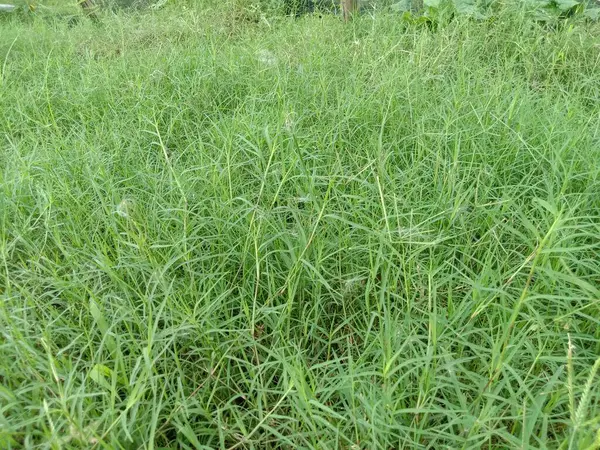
x,y
217,232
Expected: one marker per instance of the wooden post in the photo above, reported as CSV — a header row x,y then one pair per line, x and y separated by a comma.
x,y
349,7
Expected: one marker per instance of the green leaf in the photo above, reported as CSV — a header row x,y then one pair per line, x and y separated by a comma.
x,y
432,3
102,325
6,440
99,374
468,8
565,5
188,432
138,391
401,6
592,13
537,407
537,4
101,322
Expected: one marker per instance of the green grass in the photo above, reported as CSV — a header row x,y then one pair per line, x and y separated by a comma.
x,y
222,233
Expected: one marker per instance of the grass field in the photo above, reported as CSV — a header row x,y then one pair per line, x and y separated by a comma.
x,y
221,230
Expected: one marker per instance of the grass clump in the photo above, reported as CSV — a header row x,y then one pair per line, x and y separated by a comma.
x,y
295,233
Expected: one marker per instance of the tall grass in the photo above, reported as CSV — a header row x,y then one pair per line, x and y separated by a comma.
x,y
221,232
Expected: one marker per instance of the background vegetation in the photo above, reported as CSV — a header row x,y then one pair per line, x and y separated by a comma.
x,y
225,228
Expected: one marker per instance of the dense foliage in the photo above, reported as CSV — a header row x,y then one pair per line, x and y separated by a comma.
x,y
224,228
